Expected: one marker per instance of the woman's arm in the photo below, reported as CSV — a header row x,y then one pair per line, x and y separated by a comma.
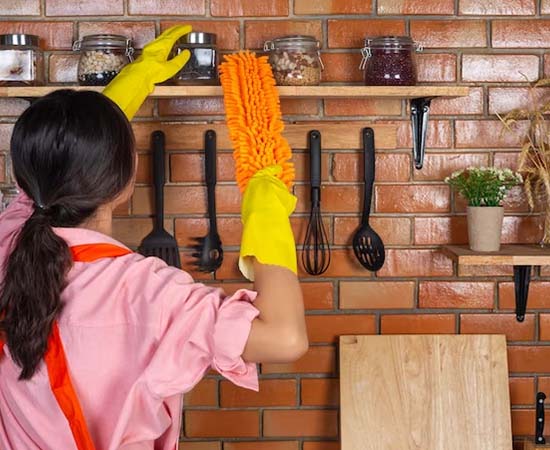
x,y
279,333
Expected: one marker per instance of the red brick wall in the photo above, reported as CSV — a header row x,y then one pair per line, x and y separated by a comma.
x,y
492,46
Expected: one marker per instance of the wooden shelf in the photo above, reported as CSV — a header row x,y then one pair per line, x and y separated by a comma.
x,y
509,255
323,91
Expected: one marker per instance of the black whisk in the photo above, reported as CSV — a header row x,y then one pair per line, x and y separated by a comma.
x,y
316,254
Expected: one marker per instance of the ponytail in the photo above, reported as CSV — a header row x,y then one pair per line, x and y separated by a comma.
x,y
72,152
31,291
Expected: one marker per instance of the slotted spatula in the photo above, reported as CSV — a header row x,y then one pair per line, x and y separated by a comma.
x,y
367,245
159,242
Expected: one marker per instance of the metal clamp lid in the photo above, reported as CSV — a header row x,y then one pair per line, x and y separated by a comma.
x,y
19,39
105,41
387,42
293,40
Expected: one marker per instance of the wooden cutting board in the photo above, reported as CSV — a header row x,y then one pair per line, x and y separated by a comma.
x,y
425,392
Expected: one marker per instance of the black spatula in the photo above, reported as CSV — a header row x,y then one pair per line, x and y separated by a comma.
x,y
159,242
367,245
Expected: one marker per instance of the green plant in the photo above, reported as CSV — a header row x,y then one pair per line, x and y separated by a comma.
x,y
483,186
533,129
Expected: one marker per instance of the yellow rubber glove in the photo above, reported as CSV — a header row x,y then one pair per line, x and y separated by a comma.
x,y
265,212
137,80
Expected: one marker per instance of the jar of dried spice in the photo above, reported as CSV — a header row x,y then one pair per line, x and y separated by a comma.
x,y
102,56
390,61
296,60
202,67
21,60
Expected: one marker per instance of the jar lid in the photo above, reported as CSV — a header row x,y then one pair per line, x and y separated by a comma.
x,y
106,40
389,42
198,37
293,40
19,39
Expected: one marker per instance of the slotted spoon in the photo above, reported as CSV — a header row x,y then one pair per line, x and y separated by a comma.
x,y
367,244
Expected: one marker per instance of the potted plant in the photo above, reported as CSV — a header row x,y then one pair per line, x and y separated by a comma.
x,y
484,188
532,127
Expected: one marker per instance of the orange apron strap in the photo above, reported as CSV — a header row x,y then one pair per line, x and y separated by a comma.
x,y
56,361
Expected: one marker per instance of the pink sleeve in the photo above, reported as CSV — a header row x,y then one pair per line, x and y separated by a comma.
x,y
200,328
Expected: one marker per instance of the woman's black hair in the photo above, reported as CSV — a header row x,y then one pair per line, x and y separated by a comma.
x,y
72,151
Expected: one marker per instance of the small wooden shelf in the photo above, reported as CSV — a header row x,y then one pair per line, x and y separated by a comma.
x,y
323,91
522,257
509,255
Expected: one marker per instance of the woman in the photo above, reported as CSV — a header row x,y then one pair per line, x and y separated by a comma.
x,y
100,343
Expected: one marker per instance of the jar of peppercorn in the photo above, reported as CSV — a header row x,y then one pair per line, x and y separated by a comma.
x,y
295,60
390,61
102,56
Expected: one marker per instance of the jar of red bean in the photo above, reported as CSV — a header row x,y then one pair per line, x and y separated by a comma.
x,y
390,61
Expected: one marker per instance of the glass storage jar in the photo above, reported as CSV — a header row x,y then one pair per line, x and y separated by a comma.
x,y
390,61
295,60
21,60
102,56
202,67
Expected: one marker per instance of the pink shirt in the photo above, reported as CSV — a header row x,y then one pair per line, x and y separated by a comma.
x,y
137,335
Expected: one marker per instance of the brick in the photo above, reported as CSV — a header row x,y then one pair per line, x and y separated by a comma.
x,y
187,445
140,32
20,8
342,67
506,160
377,294
63,68
437,166
544,325
189,167
131,231
418,324
343,264
521,230
259,31
318,359
497,8
84,8
2,169
522,422
313,422
484,271
438,136
5,135
471,104
249,8
503,100
299,106
415,263
192,199
449,33
392,230
144,169
226,31
522,390
318,296
452,294
389,167
436,68
341,198
352,33
332,7
424,7
205,393
543,385
12,107
527,359
362,107
318,445
302,169
440,230
320,392
53,35
506,324
197,106
546,65
483,134
276,445
412,198
166,7
520,34
327,328
545,7
215,423
272,393
230,229
499,68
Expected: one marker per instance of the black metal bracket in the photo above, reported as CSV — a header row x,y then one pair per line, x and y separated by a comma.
x,y
420,112
539,424
522,277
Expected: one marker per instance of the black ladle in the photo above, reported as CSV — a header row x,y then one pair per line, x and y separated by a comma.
x,y
367,245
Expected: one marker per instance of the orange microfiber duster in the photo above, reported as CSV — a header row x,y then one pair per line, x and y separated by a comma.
x,y
254,117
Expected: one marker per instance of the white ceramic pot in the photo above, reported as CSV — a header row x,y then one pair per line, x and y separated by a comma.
x,y
485,228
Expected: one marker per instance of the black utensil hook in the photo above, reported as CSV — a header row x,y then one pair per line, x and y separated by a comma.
x,y
420,113
539,424
522,277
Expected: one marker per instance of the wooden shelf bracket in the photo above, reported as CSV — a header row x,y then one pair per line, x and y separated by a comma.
x,y
420,112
